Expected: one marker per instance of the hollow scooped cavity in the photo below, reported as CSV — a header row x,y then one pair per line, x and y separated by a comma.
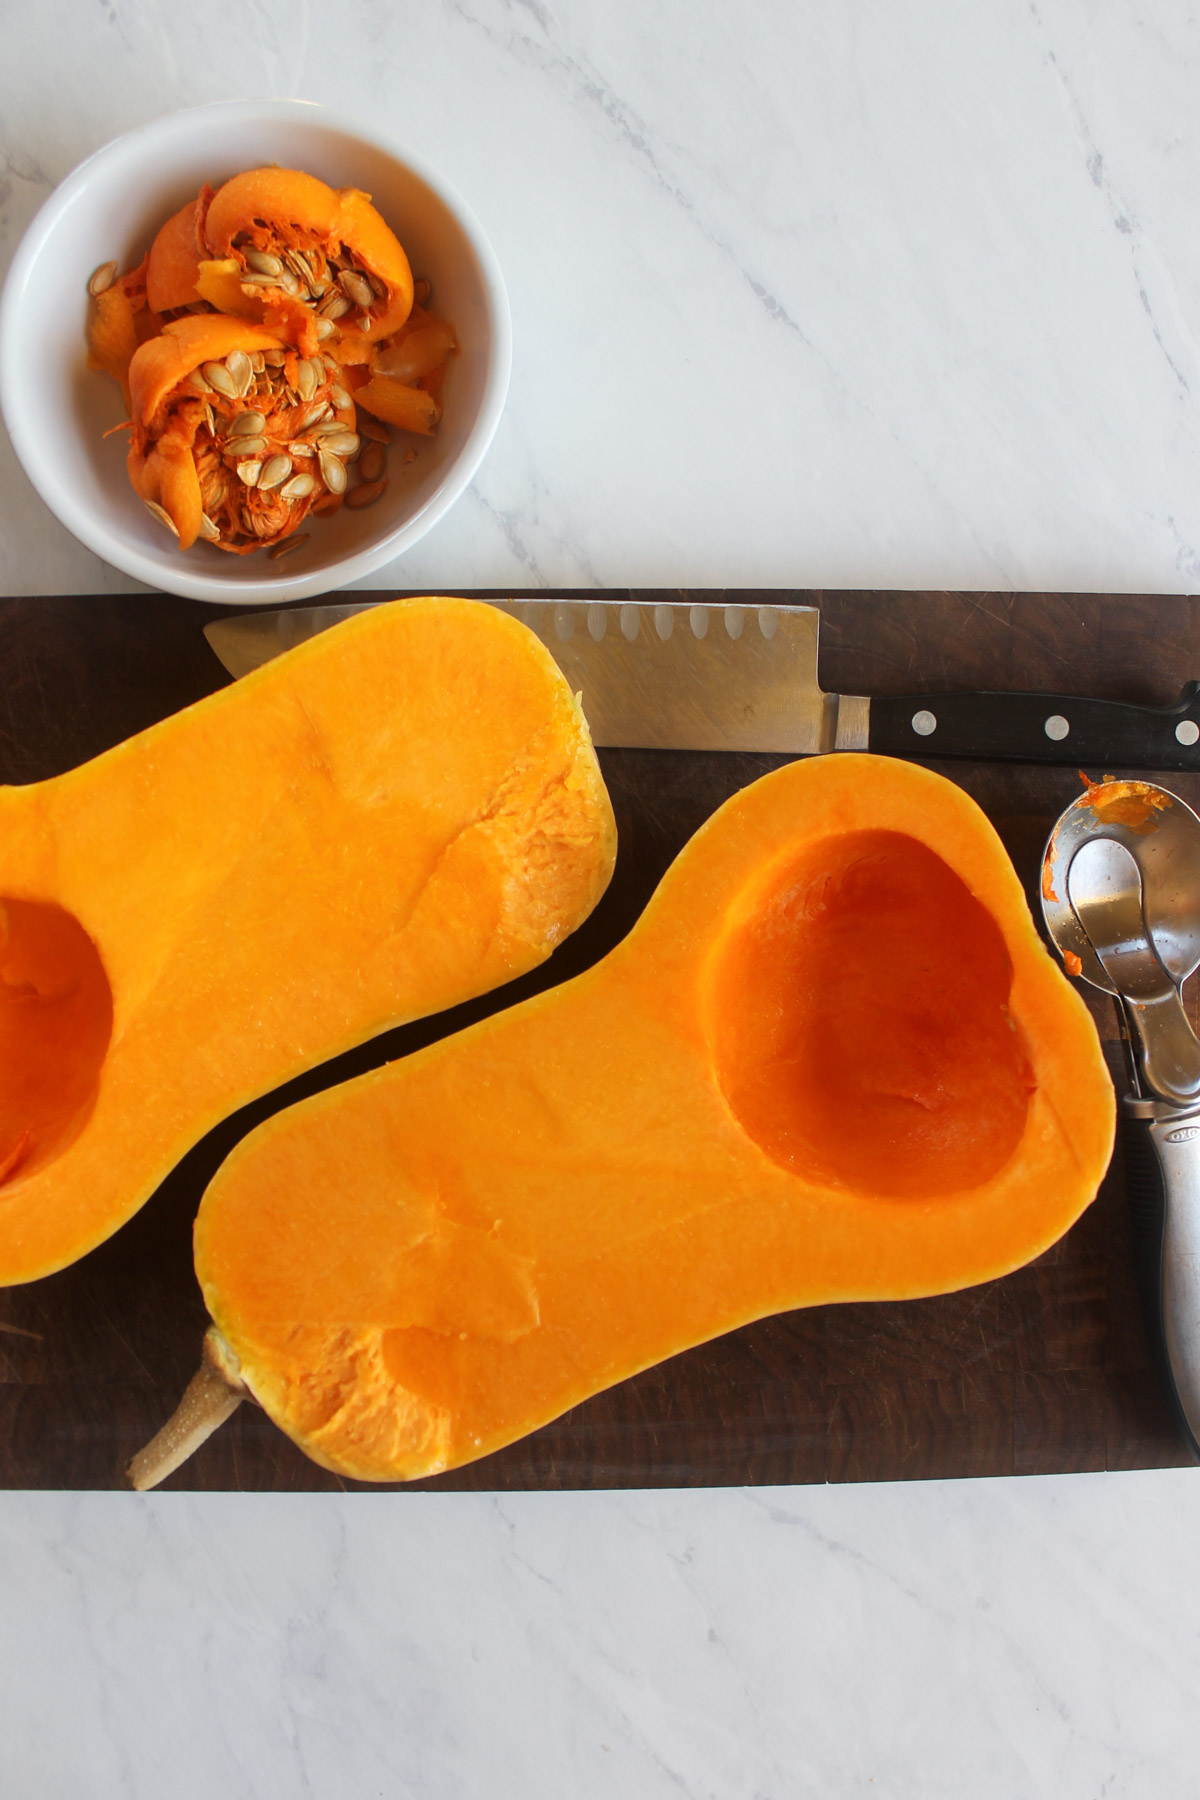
x,y
56,1016
858,1011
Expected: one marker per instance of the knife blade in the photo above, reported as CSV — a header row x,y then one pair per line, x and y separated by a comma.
x,y
668,676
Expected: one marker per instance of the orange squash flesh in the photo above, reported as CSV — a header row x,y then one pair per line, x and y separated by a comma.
x,y
174,262
410,408
55,1028
401,814
900,1071
112,334
833,1061
259,198
122,318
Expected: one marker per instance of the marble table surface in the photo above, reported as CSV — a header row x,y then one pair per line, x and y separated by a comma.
x,y
804,295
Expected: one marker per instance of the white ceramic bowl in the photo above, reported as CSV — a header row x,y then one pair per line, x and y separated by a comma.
x,y
57,409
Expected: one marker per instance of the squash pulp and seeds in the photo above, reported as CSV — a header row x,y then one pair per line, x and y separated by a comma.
x,y
330,286
271,435
320,271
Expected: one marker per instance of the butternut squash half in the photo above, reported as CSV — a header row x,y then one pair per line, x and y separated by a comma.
x,y
400,814
833,1061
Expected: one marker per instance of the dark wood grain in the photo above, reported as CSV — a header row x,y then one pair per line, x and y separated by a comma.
x,y
1047,1370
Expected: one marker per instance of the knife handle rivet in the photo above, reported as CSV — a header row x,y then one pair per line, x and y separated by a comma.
x,y
1056,727
1187,731
630,623
597,623
924,723
698,619
664,621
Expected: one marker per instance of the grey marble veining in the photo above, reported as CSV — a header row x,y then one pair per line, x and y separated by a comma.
x,y
915,1641
802,295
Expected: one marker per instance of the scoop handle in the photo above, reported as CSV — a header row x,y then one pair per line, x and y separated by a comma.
x,y
1162,1170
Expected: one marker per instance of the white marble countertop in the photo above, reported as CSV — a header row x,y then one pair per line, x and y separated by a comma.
x,y
804,295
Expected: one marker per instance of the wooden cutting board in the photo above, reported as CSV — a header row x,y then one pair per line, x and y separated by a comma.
x,y
1047,1370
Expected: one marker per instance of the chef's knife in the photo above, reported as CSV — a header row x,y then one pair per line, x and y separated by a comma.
x,y
678,677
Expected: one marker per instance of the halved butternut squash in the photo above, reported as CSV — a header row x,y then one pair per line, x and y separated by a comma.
x,y
833,1061
399,814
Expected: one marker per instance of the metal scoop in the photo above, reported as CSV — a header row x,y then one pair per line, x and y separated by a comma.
x,y
1121,899
1108,897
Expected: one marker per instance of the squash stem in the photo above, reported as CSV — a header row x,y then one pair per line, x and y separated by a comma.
x,y
212,1395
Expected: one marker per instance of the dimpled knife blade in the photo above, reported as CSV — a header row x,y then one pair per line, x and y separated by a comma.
x,y
652,676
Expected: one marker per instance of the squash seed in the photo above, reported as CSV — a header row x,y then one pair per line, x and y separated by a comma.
x,y
422,291
248,424
378,288
339,443
274,359
301,268
102,279
312,415
365,495
298,447
162,515
197,381
333,473
213,491
299,487
245,446
249,471
275,470
307,376
263,262
210,532
357,288
286,546
339,397
240,370
334,306
257,362
372,462
372,427
218,376
325,328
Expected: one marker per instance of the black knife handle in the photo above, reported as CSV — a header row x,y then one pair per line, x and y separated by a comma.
x,y
1100,735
